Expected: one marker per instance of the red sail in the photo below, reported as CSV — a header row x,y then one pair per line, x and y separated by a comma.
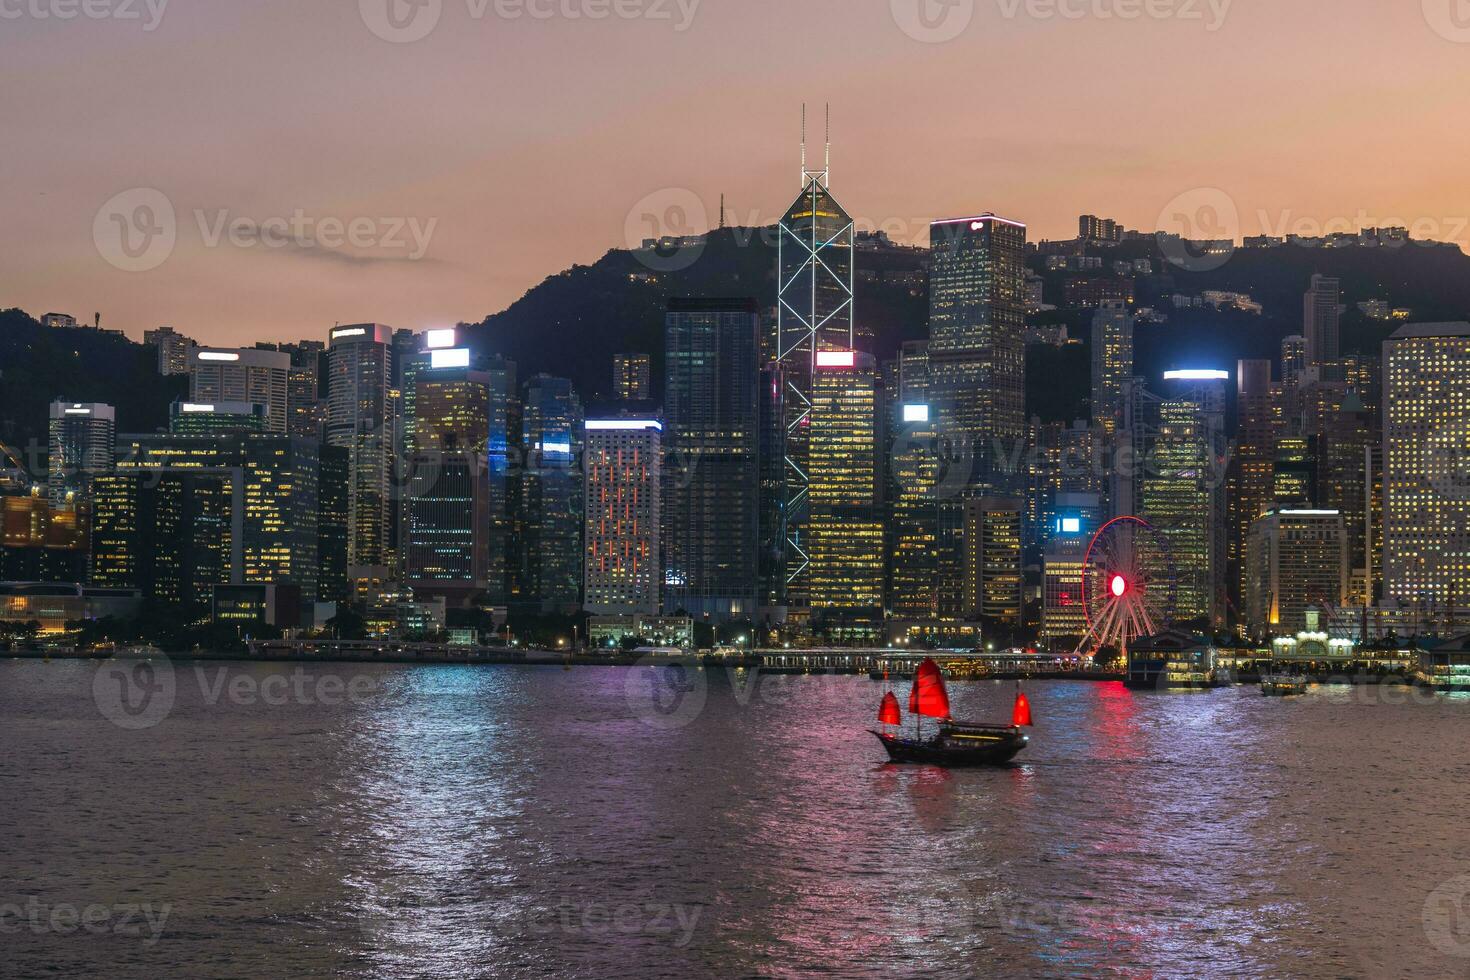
x,y
928,696
888,710
1021,714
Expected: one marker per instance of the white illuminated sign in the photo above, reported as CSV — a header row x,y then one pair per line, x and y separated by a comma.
x,y
217,355
1200,375
1071,525
78,411
836,358
916,413
198,408
349,332
439,339
623,425
457,358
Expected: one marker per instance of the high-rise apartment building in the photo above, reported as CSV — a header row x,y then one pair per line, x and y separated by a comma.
x,y
81,440
173,350
242,375
845,527
1296,560
632,377
1426,440
711,470
551,495
623,471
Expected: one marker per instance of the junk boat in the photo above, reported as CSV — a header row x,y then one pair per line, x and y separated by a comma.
x,y
956,743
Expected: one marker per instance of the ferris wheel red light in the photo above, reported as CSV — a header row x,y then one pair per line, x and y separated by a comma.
x,y
1119,586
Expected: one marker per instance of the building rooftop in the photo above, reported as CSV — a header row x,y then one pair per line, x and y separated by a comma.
x,y
1455,328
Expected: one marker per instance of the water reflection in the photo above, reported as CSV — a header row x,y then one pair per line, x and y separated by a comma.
x,y
511,822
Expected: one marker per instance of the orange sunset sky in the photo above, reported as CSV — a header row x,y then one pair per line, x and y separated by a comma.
x,y
519,140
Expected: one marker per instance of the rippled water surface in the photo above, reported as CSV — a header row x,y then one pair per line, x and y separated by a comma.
x,y
632,822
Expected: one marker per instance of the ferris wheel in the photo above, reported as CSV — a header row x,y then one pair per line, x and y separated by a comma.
x,y
1129,585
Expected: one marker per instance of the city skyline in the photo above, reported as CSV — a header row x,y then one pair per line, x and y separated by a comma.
x,y
430,155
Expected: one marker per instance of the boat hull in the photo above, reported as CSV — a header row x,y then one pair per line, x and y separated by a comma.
x,y
996,749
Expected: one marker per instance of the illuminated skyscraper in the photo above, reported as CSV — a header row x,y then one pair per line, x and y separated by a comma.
x,y
551,495
1293,358
1321,321
305,411
977,346
1063,614
1253,466
913,509
164,534
993,530
977,370
271,537
1426,439
361,419
1112,362
814,313
82,436
711,465
623,466
333,477
845,526
191,418
1183,491
632,377
243,375
1296,560
447,536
